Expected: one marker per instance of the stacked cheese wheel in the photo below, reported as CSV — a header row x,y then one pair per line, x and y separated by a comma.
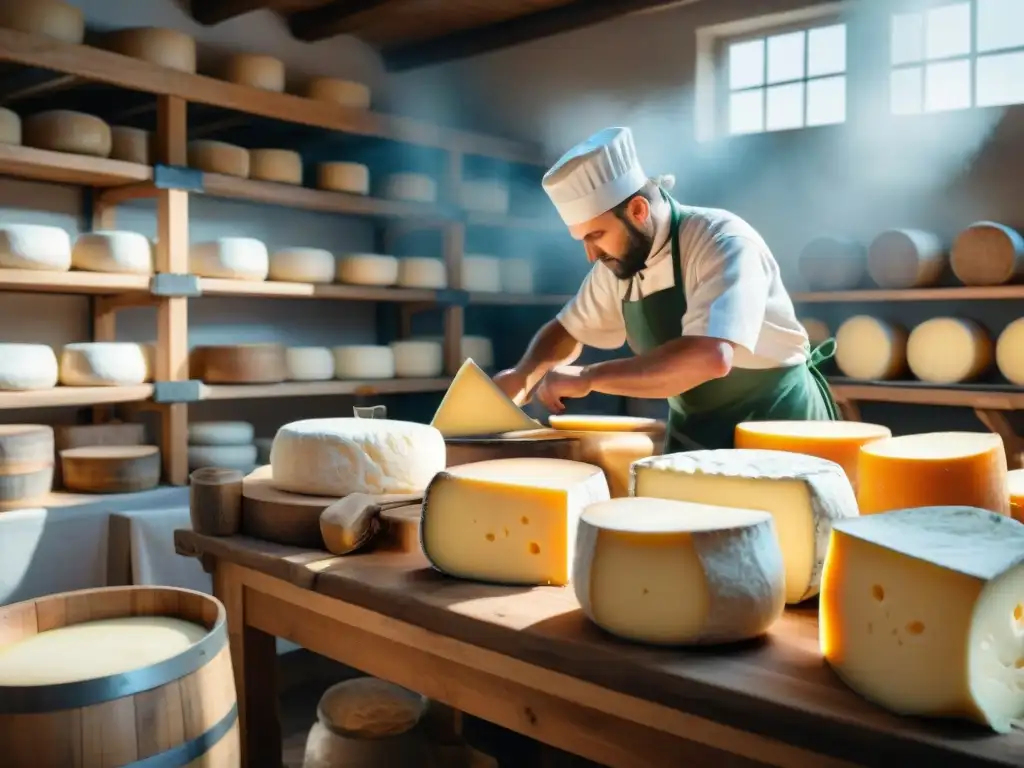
x,y
26,463
47,248
223,444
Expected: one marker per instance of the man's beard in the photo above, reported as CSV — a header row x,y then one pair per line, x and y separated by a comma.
x,y
625,267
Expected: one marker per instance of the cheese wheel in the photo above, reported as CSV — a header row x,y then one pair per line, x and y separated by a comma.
x,y
163,47
48,18
413,187
280,165
614,453
598,423
302,265
480,349
364,361
934,469
987,253
220,433
25,487
336,457
113,251
830,263
1015,482
474,405
871,349
62,130
422,272
838,441
309,363
112,433
481,274
516,275
484,196
344,177
418,359
35,246
241,363
1009,351
133,145
26,367
367,269
817,330
10,127
240,457
25,447
218,157
111,468
906,258
232,258
255,71
345,93
103,364
948,350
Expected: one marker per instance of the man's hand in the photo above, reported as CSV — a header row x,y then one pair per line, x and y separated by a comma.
x,y
513,384
559,383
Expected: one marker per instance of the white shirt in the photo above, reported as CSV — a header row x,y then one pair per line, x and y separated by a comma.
x,y
733,292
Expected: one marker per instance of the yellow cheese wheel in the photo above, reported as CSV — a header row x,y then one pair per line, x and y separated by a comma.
x,y
871,349
164,47
948,350
49,18
280,165
218,157
62,130
1010,352
255,71
132,145
344,93
1015,482
344,177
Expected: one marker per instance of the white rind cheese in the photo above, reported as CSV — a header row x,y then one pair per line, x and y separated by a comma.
x,y
113,251
345,93
103,364
10,127
422,272
219,157
474,405
163,47
231,258
133,145
256,71
411,187
62,130
367,269
1009,350
481,274
418,359
220,433
353,178
484,196
516,275
871,349
364,361
35,246
240,457
948,350
480,349
280,165
309,363
48,18
303,265
26,367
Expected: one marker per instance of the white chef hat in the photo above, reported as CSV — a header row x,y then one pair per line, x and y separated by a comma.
x,y
595,176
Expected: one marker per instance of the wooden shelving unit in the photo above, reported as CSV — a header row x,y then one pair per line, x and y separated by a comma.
x,y
953,293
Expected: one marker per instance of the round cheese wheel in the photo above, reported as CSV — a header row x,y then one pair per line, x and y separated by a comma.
x,y
516,275
987,253
110,468
27,366
1015,482
418,359
479,349
413,187
600,423
241,363
344,177
422,272
133,145
218,157
255,71
103,364
10,127
280,165
164,47
62,130
484,196
871,349
113,251
906,258
364,361
817,330
49,18
232,258
367,269
23,488
833,264
240,457
309,363
302,265
481,274
25,447
948,350
345,93
35,246
1010,352
220,433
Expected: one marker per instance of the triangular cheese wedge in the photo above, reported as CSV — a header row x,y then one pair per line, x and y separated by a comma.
x,y
474,405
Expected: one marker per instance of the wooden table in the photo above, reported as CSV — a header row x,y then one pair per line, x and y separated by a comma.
x,y
528,660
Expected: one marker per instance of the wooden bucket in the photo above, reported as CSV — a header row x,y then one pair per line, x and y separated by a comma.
x,y
181,711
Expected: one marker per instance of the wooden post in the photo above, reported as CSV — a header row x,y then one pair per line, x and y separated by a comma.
x,y
454,245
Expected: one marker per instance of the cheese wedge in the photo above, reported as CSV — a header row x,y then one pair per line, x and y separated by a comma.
x,y
673,573
1015,482
475,405
922,612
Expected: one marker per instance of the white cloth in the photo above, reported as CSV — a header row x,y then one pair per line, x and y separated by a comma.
x,y
733,291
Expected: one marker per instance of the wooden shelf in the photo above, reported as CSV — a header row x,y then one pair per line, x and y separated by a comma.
x,y
65,168
279,290
955,293
60,397
321,388
93,283
518,299
991,397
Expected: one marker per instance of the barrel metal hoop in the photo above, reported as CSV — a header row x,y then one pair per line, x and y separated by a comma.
x,y
183,754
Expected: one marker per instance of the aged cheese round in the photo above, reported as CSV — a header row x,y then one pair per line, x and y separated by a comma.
x,y
10,127
830,263
26,486
35,246
599,423
478,348
242,363
103,364
48,18
413,187
255,71
948,350
336,457
364,361
111,468
1009,351
516,275
241,457
113,251
344,177
481,274
367,269
280,165
218,157
302,265
220,433
484,196
309,363
870,348
232,258
422,272
817,330
164,47
987,253
418,359
62,130
1015,482
345,93
906,258
133,145
25,447
27,366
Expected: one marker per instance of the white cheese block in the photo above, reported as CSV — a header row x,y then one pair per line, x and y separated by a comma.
x,y
344,177
133,145
280,165
475,405
413,187
805,495
233,258
481,274
309,363
508,521
345,93
164,47
240,457
48,18
220,433
516,275
255,71
948,350
422,272
25,446
364,361
219,157
336,457
817,331
367,269
1009,350
921,612
103,364
27,366
62,130
673,573
113,251
302,265
35,246
10,127
418,359
484,196
871,349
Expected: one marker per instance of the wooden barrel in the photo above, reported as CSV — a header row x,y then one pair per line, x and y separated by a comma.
x,y
906,258
176,709
987,253
833,264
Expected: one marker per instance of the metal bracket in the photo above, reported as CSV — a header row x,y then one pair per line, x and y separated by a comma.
x,y
177,177
453,297
169,392
173,286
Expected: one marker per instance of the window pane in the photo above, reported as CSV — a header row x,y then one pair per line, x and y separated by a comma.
x,y
826,101
786,57
948,31
907,38
947,85
1000,24
906,91
1000,80
785,107
826,50
746,111
746,64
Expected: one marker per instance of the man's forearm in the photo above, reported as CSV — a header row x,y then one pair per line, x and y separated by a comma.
x,y
551,346
669,370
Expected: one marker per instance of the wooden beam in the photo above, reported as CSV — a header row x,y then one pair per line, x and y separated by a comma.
x,y
210,12
335,18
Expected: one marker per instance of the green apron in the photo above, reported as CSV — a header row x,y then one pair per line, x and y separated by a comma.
x,y
706,416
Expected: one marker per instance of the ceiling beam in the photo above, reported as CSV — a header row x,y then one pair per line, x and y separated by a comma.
x,y
210,12
337,18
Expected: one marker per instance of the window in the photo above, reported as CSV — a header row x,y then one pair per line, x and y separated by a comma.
x,y
788,80
957,55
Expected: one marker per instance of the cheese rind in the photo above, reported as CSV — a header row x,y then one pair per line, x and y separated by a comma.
x,y
103,364
133,145
280,165
353,178
345,93
113,251
417,358
25,446
302,265
1009,352
367,269
475,405
220,433
256,71
35,246
26,367
254,363
309,363
164,47
240,457
62,130
871,349
948,350
364,361
230,258
49,18
481,274
921,612
219,157
422,272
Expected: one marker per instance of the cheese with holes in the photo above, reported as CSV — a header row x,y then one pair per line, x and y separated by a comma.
x,y
232,258
921,612
240,457
336,457
481,274
422,272
413,187
933,469
35,246
838,441
805,495
344,177
475,405
508,521
309,363
516,275
871,349
219,157
948,350
62,130
364,361
220,433
255,71
302,265
418,358
280,165
367,269
672,573
817,331
26,367
163,47
48,18
345,93
484,196
113,251
103,364
133,145
1009,350
10,127
1015,483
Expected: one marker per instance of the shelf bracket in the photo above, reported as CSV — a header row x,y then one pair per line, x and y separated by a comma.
x,y
172,392
996,421
169,285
